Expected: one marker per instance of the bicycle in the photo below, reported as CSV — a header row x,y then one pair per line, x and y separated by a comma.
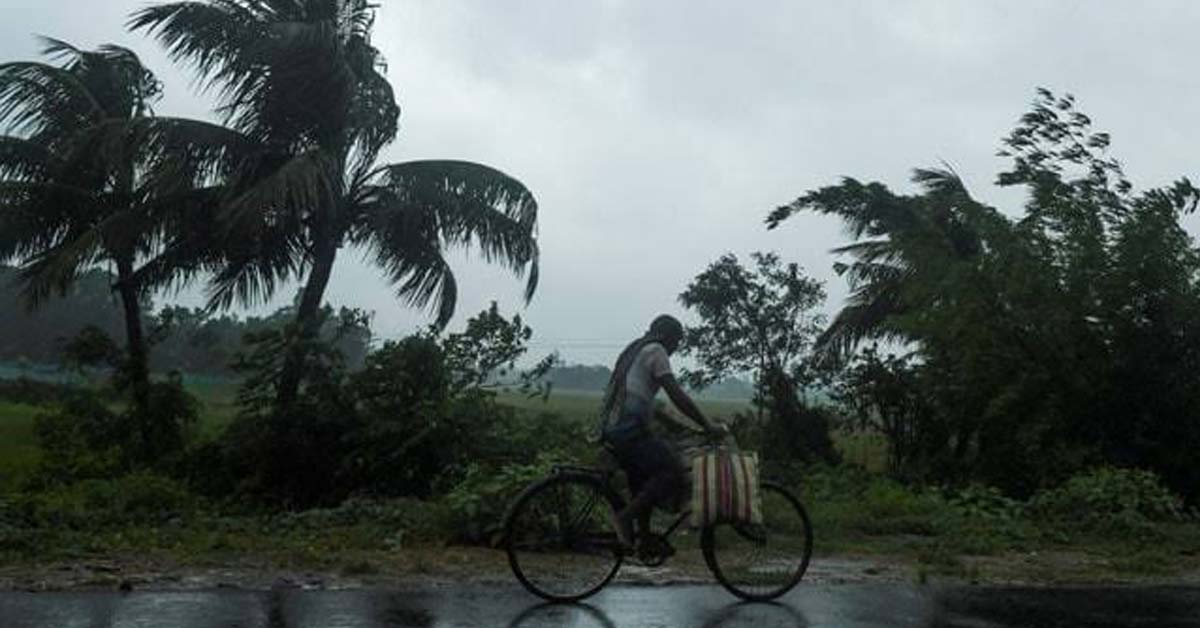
x,y
562,545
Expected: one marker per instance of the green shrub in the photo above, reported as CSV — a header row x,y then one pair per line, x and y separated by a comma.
x,y
825,483
1108,498
137,498
478,503
166,431
82,439
888,507
984,503
982,520
510,435
848,498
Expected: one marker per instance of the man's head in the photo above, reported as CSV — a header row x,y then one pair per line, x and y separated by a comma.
x,y
668,331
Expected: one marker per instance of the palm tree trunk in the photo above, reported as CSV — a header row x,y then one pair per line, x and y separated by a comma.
x,y
137,368
307,325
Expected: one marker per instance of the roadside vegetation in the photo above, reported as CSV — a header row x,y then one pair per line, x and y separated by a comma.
x,y
1005,396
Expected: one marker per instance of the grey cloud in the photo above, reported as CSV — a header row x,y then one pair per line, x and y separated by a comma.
x,y
658,134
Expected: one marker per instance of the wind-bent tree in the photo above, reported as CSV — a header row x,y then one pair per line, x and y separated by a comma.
x,y
301,80
903,248
75,191
1063,339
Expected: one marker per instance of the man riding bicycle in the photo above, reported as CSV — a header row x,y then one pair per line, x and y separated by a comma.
x,y
654,472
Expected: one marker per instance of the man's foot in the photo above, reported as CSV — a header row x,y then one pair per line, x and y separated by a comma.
x,y
655,549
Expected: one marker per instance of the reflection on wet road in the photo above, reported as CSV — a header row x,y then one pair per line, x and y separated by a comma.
x,y
617,607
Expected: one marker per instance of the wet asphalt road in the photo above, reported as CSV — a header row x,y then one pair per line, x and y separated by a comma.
x,y
617,607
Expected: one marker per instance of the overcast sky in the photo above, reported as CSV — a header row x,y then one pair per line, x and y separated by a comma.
x,y
657,135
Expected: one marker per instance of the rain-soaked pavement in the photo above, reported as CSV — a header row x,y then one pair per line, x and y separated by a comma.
x,y
617,607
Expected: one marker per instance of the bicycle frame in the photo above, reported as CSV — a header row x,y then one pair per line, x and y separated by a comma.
x,y
605,473
605,477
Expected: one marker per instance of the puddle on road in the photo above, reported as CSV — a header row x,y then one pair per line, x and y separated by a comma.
x,y
615,607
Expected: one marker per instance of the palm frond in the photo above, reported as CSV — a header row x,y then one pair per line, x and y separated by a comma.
x,y
303,183
211,36
940,181
289,74
253,267
407,246
193,241
54,269
37,99
114,76
36,215
471,205
23,160
869,313
173,154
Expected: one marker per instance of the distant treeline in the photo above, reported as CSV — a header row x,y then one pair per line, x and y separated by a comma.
x,y
193,341
184,339
595,378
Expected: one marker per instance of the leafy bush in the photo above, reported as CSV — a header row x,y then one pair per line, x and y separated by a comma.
x,y
827,483
292,456
849,498
137,498
404,434
172,416
406,424
982,520
1108,498
889,507
478,503
82,439
512,434
986,503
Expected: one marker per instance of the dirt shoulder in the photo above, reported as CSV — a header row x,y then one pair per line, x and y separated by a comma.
x,y
458,565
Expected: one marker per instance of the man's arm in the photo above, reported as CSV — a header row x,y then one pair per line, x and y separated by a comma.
x,y
684,402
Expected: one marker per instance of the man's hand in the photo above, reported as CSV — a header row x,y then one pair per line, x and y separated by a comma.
x,y
716,431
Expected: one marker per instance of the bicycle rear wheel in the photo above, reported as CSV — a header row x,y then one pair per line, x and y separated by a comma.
x,y
760,563
560,538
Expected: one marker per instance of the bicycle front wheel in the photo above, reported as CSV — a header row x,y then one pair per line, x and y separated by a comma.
x,y
762,562
561,540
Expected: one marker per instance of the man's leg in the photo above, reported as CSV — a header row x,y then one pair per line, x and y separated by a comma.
x,y
657,491
655,475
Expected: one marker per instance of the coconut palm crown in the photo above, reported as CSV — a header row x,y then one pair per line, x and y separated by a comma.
x,y
301,80
74,191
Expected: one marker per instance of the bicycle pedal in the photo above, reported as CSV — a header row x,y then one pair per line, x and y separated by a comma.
x,y
655,551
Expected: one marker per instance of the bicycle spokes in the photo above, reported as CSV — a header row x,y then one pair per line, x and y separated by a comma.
x,y
560,542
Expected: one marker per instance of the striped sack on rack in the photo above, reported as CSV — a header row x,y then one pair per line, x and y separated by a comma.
x,y
725,488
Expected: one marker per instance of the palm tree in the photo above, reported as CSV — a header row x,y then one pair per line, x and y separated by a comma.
x,y
904,251
76,190
303,82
